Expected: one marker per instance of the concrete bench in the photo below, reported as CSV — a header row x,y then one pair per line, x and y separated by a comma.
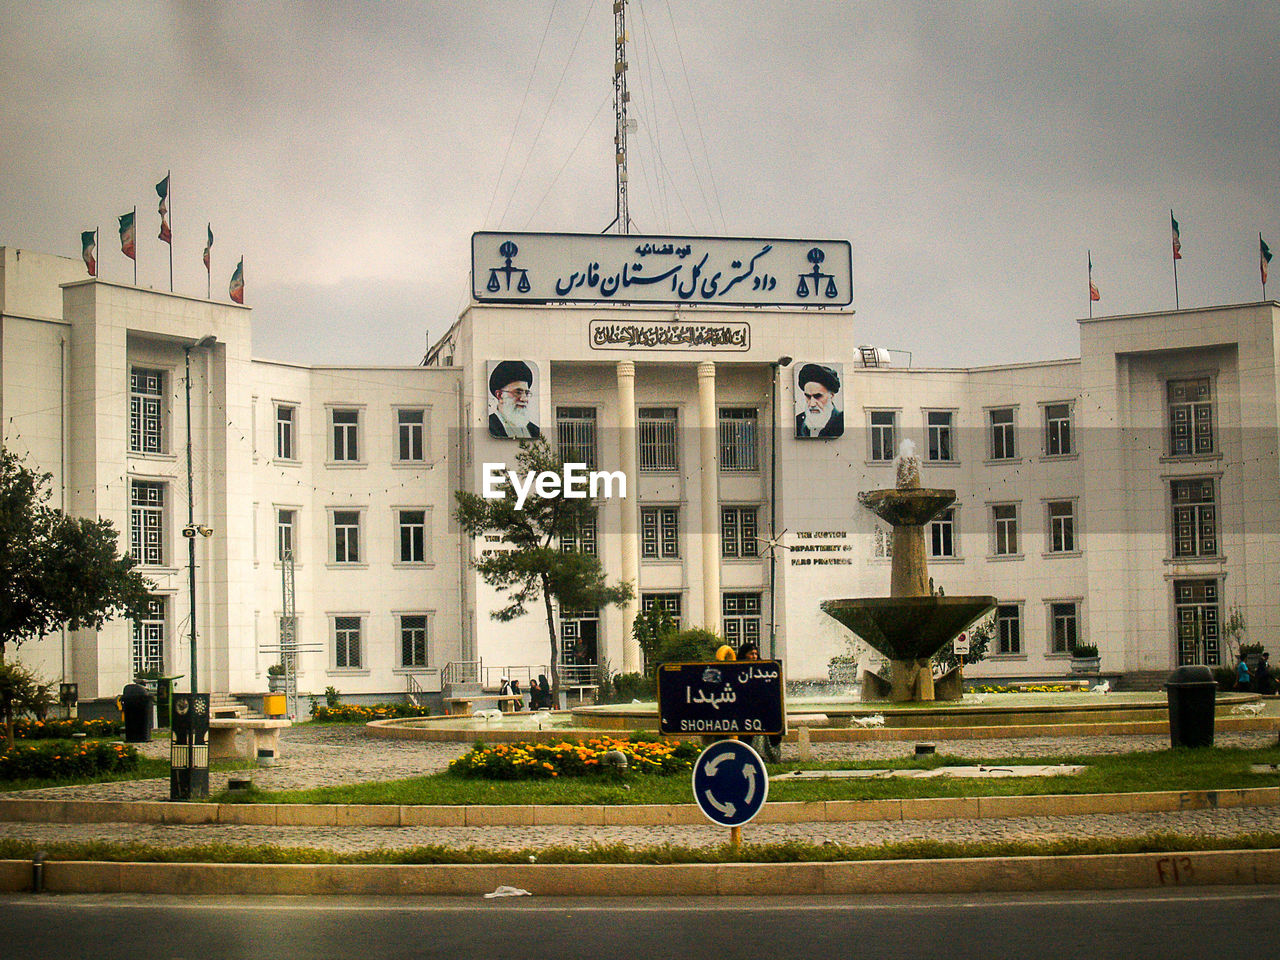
x,y
224,734
461,706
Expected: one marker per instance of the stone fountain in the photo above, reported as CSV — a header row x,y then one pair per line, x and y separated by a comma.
x,y
911,624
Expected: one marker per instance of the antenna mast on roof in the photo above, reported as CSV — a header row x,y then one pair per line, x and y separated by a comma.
x,y
620,100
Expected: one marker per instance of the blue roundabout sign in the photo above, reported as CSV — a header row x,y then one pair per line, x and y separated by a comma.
x,y
730,783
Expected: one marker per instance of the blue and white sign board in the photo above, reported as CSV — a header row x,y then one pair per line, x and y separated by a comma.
x,y
730,783
627,268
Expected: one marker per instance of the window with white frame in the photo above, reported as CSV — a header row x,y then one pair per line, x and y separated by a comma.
x,y
148,637
1062,526
576,435
1064,625
740,619
413,639
739,440
146,410
1195,518
660,533
1198,618
940,425
347,643
583,537
345,422
738,533
411,428
883,426
670,602
346,536
1057,430
146,522
286,431
658,438
1190,417
286,534
942,534
412,525
1003,446
1008,628
1004,529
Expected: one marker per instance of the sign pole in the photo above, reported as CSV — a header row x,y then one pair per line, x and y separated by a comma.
x,y
735,837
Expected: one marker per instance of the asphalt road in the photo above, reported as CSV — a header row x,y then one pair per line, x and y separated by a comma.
x,y
1220,923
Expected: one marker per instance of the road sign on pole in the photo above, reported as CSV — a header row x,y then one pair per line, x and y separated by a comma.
x,y
730,783
726,697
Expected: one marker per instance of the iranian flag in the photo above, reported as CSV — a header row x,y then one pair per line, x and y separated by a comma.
x,y
237,283
128,236
1094,295
89,250
162,190
1177,239
207,247
1264,257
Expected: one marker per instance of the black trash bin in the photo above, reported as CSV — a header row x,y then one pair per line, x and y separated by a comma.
x,y
136,701
1192,692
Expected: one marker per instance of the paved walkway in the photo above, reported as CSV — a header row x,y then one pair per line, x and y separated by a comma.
x,y
329,755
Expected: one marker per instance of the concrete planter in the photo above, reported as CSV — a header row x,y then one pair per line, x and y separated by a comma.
x,y
1086,665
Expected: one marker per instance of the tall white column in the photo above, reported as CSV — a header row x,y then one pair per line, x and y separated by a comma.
x,y
630,510
710,520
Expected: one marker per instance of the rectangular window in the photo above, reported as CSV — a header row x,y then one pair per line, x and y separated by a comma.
x,y
658,447
346,435
1062,526
1190,418
286,427
583,538
1057,430
146,522
346,643
1002,439
738,540
941,447
146,410
413,535
741,619
410,429
1008,628
883,426
413,640
1196,612
148,638
576,435
346,536
1004,521
659,533
739,440
1195,518
1064,620
286,529
942,534
669,602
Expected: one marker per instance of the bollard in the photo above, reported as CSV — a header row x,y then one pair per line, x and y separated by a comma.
x,y
37,872
802,742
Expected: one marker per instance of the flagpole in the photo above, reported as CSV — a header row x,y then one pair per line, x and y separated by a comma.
x,y
168,176
1089,254
1176,302
1262,265
135,244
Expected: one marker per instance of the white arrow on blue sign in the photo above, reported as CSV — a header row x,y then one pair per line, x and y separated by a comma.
x,y
730,783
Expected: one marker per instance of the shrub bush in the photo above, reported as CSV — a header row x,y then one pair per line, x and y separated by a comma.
x,y
688,646
573,758
625,687
63,759
28,729
351,713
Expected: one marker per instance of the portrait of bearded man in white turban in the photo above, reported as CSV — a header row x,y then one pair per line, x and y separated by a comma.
x,y
819,406
511,408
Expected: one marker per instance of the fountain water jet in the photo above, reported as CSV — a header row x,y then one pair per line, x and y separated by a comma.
x,y
910,625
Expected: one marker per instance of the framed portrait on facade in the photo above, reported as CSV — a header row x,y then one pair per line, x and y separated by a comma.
x,y
819,401
513,408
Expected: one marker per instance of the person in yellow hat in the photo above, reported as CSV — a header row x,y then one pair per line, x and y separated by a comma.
x,y
726,653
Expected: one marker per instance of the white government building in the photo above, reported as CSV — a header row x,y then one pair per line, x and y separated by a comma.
x,y
1128,499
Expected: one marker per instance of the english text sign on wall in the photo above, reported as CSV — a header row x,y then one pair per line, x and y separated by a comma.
x,y
621,268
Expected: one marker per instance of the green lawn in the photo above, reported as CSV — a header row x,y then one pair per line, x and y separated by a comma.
x,y
1213,769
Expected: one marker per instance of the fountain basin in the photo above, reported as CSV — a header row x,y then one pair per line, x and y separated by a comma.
x,y
908,628
911,507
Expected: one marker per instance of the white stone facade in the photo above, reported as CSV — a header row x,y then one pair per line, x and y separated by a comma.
x,y
1076,508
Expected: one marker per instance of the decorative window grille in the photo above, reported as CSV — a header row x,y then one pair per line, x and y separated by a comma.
x,y
146,410
148,638
740,618
1195,518
1190,418
659,533
576,435
146,522
1198,618
670,602
738,533
739,440
657,430
583,539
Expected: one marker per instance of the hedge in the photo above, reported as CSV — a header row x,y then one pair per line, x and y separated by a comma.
x,y
28,729
573,758
351,713
63,759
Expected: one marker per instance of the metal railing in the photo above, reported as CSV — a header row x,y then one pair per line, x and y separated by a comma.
x,y
462,671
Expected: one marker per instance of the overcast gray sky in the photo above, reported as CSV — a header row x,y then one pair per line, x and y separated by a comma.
x,y
972,152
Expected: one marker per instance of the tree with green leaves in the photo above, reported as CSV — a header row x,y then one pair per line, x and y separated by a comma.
x,y
57,570
21,691
650,629
535,563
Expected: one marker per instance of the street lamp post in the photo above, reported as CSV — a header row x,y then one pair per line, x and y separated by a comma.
x,y
777,366
191,529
